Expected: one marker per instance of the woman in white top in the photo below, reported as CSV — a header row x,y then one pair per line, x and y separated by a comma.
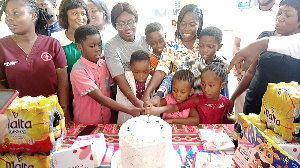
x,y
100,19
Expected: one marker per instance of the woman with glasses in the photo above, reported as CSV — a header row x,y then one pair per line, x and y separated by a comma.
x,y
118,50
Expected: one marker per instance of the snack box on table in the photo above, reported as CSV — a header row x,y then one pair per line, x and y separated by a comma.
x,y
255,147
86,151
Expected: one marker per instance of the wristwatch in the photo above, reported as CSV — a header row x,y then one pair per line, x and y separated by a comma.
x,y
67,107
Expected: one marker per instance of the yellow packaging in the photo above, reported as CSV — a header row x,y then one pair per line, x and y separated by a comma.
x,y
279,105
255,120
11,160
34,124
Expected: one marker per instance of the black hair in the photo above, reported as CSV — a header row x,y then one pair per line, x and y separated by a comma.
x,y
266,3
293,3
100,4
41,15
120,8
185,75
139,55
218,68
152,27
212,31
66,5
190,8
82,31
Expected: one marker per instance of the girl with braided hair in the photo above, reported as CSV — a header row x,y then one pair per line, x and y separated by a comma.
x,y
212,107
31,63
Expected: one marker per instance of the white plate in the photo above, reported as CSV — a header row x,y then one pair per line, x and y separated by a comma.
x,y
174,160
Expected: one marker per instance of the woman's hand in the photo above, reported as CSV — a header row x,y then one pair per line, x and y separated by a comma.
x,y
246,56
231,112
137,111
69,122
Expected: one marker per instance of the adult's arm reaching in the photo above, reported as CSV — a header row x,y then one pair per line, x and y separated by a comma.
x,y
247,55
243,85
63,93
155,81
110,103
236,45
288,45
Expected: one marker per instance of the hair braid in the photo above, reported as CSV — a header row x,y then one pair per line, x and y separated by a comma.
x,y
42,20
3,6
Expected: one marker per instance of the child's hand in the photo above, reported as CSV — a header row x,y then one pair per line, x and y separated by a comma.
x,y
3,126
156,111
169,120
137,111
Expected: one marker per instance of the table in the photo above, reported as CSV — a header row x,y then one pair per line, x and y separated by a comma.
x,y
185,139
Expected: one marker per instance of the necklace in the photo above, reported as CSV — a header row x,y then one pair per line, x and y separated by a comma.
x,y
155,55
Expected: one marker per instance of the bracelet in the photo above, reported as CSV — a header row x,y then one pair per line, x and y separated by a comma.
x,y
129,92
67,107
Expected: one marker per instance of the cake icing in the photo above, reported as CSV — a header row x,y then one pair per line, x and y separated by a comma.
x,y
145,142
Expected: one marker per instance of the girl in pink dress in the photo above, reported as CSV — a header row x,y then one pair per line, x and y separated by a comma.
x,y
182,83
212,106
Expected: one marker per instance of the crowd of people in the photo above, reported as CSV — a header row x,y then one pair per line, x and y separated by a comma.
x,y
103,71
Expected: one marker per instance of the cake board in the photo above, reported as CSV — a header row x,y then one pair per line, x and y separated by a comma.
x,y
173,160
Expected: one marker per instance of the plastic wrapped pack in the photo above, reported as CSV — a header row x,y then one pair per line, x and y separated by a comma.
x,y
280,109
34,125
10,160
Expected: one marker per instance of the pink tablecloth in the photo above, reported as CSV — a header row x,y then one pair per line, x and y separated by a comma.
x,y
185,139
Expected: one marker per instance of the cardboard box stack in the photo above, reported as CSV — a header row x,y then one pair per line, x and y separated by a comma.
x,y
272,138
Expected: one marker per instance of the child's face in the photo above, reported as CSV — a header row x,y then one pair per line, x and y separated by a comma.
x,y
157,41
211,85
181,90
140,70
188,27
91,47
208,46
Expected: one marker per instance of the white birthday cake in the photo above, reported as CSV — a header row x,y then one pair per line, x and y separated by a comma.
x,y
146,142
